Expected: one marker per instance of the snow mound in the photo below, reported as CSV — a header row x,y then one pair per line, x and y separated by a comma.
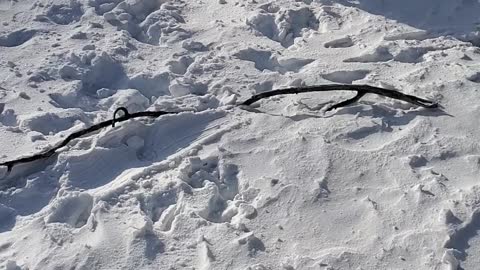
x,y
151,22
283,25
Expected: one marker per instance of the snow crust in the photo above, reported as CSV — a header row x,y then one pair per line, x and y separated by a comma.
x,y
283,185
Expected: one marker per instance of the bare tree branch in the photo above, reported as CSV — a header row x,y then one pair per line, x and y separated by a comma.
x,y
48,153
360,89
347,102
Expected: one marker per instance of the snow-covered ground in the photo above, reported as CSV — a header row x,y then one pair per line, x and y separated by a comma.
x,y
285,185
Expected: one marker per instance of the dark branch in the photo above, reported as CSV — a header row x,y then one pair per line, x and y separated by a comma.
x,y
347,102
48,153
360,89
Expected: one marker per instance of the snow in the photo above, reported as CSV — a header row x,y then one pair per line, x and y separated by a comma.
x,y
281,184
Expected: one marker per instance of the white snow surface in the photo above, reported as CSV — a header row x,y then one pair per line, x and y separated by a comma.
x,y
380,184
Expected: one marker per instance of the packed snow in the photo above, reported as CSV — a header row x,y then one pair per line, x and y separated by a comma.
x,y
283,184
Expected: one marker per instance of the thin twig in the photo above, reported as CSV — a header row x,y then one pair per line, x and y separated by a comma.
x,y
360,89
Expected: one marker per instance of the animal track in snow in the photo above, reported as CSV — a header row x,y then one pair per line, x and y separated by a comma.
x,y
94,71
474,77
252,243
98,80
58,121
7,218
150,85
411,55
382,127
270,7
285,25
72,209
383,54
65,14
8,117
379,54
160,207
265,60
346,76
213,170
208,187
344,42
215,186
412,35
465,241
263,86
262,59
180,66
152,22
187,86
16,38
209,63
103,6
194,46
464,238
